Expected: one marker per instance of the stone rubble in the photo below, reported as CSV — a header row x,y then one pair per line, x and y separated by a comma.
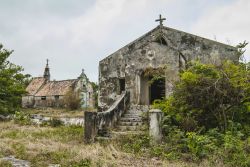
x,y
38,119
17,162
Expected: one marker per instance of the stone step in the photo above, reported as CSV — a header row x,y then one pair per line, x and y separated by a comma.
x,y
130,123
137,119
131,115
124,133
134,112
129,128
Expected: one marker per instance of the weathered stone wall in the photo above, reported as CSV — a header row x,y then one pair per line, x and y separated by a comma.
x,y
27,101
86,93
99,123
50,101
160,47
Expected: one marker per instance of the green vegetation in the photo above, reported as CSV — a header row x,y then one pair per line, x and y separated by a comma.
x,y
54,112
12,83
44,145
72,100
5,164
22,118
208,114
53,122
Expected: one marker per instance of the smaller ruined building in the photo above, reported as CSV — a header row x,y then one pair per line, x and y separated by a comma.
x,y
42,92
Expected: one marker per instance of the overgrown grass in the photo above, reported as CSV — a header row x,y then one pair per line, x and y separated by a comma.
x,y
57,113
5,163
62,145
226,150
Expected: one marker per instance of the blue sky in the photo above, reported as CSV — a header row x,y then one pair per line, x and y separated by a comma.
x,y
76,34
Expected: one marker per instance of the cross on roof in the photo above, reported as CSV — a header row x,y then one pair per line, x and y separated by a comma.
x,y
47,61
160,20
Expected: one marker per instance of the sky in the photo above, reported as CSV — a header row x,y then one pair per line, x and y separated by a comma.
x,y
77,34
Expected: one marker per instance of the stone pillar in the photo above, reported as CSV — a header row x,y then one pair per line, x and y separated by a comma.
x,y
155,130
90,126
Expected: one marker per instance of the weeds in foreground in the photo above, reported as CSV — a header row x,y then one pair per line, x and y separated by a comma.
x,y
4,163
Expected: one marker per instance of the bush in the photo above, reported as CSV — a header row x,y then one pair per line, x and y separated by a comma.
x,y
235,150
22,118
72,100
200,146
208,96
208,115
136,144
55,122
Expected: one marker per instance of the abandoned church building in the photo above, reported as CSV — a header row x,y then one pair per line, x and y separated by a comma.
x,y
42,92
162,47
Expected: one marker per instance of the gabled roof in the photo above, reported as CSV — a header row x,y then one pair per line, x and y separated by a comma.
x,y
53,88
34,85
157,29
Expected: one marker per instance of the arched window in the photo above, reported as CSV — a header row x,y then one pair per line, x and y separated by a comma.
x,y
161,40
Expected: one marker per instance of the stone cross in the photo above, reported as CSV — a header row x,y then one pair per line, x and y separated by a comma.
x,y
160,20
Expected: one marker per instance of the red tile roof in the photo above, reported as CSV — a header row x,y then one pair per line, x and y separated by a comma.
x,y
52,88
34,85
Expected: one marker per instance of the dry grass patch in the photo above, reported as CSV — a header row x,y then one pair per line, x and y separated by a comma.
x,y
57,113
64,145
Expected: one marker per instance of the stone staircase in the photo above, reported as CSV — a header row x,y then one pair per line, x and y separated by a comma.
x,y
132,120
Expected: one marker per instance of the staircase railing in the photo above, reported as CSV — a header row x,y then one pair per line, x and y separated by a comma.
x,y
99,123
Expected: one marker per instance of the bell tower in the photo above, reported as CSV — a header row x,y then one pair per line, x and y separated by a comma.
x,y
46,73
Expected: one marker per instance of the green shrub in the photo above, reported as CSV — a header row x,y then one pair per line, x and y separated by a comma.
x,y
208,115
55,122
208,96
72,100
235,151
22,118
200,146
136,144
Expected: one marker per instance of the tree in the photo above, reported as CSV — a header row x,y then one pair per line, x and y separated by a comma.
x,y
12,83
208,96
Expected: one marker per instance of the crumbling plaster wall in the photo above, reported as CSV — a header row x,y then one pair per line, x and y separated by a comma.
x,y
28,101
130,61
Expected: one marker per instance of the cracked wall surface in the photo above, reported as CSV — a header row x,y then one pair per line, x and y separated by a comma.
x,y
160,47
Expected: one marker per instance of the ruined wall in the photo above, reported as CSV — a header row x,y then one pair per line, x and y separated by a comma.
x,y
50,101
160,47
110,71
27,101
86,93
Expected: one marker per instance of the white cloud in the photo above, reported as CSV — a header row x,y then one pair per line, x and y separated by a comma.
x,y
95,25
78,34
229,23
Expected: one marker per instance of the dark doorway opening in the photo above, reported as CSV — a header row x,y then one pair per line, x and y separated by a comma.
x,y
122,85
157,90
